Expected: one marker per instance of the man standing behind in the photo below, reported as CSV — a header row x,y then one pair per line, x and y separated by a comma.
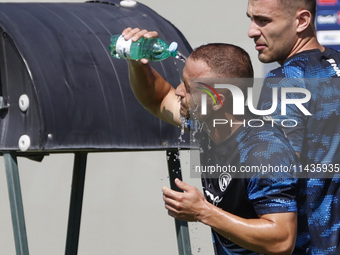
x,y
284,31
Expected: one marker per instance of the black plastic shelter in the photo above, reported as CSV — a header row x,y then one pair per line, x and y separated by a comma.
x,y
61,91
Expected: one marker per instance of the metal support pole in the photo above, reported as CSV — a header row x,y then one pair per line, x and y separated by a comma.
x,y
76,203
15,199
182,230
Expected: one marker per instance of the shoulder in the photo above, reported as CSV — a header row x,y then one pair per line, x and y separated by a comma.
x,y
265,144
294,67
305,64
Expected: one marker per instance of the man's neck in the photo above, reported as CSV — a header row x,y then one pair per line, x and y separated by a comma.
x,y
304,44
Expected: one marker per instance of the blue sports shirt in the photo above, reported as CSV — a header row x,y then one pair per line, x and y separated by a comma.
x,y
316,138
242,192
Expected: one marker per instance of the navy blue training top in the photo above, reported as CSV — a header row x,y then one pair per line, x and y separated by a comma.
x,y
245,193
317,139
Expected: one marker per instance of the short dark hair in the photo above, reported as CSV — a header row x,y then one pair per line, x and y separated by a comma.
x,y
225,60
309,5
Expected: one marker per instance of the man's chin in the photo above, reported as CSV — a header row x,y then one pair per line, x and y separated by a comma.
x,y
265,58
185,115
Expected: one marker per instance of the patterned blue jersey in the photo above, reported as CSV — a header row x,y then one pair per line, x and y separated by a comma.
x,y
249,193
317,138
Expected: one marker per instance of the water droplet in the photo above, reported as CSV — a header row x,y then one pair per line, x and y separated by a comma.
x,y
181,57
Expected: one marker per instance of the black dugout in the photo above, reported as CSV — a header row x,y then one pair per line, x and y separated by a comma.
x,y
61,89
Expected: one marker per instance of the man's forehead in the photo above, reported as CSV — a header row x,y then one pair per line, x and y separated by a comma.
x,y
195,68
263,7
263,3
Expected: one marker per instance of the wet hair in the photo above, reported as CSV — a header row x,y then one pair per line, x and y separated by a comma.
x,y
225,60
294,5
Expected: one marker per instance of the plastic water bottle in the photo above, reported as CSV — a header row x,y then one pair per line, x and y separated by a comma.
x,y
153,49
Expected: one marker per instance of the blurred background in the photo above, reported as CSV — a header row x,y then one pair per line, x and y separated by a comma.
x,y
123,210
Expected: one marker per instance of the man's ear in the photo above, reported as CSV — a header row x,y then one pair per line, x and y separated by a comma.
x,y
219,105
304,19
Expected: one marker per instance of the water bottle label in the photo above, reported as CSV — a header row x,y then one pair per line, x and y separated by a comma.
x,y
123,47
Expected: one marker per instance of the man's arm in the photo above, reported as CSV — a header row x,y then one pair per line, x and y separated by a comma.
x,y
154,93
149,87
269,234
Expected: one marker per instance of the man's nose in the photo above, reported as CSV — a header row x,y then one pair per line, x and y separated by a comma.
x,y
180,90
253,30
